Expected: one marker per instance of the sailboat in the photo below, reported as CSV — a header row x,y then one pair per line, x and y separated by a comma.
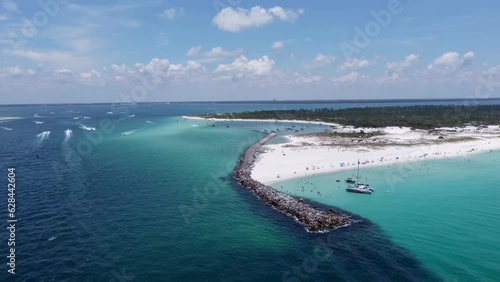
x,y
359,187
350,180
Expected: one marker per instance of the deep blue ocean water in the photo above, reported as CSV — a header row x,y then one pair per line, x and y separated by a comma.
x,y
149,196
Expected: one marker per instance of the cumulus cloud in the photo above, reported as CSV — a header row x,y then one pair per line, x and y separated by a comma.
x,y
219,52
244,66
92,78
407,63
157,68
353,64
161,70
193,51
349,78
468,57
451,61
302,79
323,60
187,71
234,20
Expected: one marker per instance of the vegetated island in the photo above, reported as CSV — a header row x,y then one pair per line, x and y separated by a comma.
x,y
389,136
418,117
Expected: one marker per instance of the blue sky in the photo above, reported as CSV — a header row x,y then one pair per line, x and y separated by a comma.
x,y
104,51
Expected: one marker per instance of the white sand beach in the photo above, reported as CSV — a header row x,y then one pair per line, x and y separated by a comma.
x,y
311,155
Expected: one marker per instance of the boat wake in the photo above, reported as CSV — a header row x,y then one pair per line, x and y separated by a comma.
x,y
67,135
42,137
86,117
150,122
194,125
129,132
131,116
88,128
6,128
38,122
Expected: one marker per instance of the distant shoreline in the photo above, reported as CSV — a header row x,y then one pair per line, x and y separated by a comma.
x,y
320,101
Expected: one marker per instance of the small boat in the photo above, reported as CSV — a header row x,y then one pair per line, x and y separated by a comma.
x,y
349,180
357,187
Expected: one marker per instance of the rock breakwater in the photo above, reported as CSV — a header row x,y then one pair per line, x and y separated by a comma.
x,y
313,219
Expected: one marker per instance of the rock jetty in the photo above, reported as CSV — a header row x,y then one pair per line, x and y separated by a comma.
x,y
314,220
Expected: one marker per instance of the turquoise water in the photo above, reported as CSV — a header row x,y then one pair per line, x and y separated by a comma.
x,y
160,204
444,211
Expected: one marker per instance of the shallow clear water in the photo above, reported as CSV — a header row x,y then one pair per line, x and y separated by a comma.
x,y
443,211
153,199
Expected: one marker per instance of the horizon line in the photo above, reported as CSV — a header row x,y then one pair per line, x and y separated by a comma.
x,y
275,101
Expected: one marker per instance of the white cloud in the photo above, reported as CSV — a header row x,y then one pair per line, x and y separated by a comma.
x,y
172,13
353,64
234,20
193,51
468,57
277,45
408,62
218,52
243,66
349,78
302,79
92,78
285,15
9,5
323,60
451,61
191,68
157,68
448,59
160,69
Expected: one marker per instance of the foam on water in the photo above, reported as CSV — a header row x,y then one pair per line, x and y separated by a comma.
x,y
38,122
150,122
88,128
6,128
67,135
129,132
42,137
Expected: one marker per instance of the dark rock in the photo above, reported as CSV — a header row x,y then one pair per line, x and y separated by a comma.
x,y
313,219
